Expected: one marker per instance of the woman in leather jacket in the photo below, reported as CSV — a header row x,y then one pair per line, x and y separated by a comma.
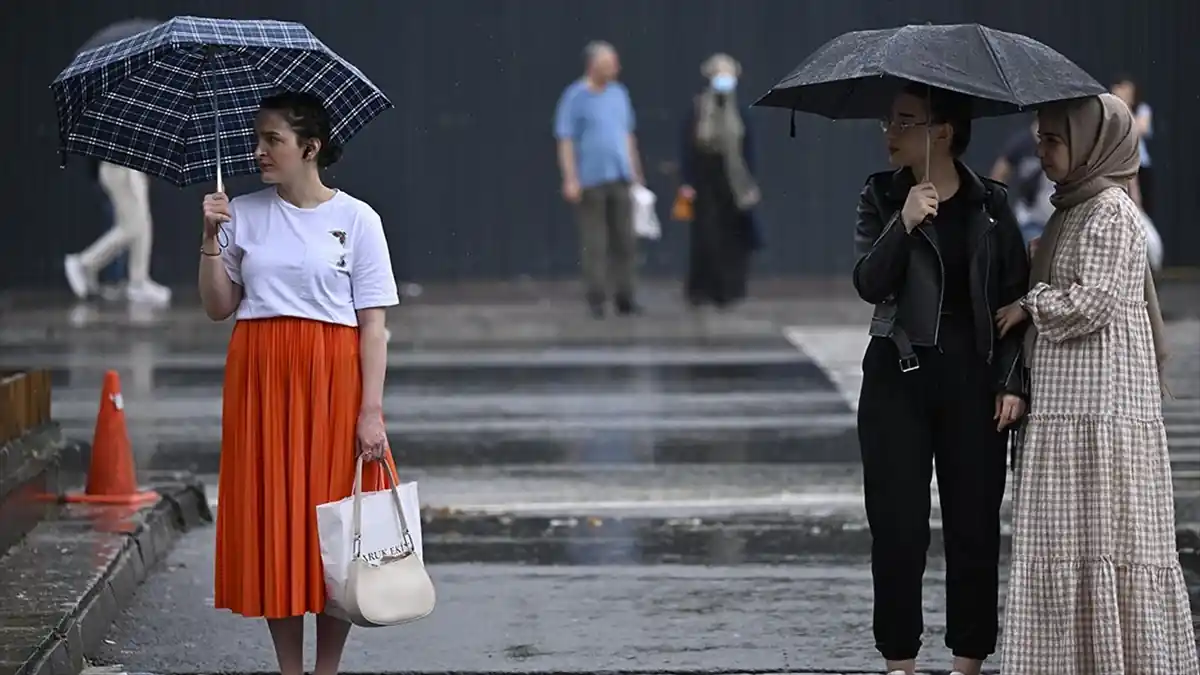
x,y
939,253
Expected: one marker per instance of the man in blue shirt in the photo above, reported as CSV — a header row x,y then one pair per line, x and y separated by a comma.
x,y
598,158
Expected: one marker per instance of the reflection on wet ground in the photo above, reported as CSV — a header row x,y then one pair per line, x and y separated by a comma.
x,y
180,447
748,540
636,454
690,507
747,376
605,406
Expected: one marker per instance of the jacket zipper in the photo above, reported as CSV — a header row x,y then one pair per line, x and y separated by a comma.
x,y
937,322
987,275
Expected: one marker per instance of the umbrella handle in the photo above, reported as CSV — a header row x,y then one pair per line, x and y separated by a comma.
x,y
210,53
217,140
928,147
928,131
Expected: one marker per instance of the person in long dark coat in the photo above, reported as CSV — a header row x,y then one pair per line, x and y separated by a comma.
x,y
717,164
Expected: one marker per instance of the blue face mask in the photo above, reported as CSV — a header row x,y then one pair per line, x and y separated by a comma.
x,y
724,83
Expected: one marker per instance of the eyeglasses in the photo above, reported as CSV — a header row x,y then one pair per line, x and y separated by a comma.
x,y
899,126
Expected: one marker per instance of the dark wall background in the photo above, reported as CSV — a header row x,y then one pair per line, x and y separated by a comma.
x,y
463,170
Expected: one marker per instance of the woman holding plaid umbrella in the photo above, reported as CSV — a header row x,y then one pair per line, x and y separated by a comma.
x,y
305,268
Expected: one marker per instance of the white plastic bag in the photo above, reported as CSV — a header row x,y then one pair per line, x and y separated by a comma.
x,y
645,220
380,537
1154,243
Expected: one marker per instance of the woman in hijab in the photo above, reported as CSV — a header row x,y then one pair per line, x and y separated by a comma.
x,y
717,161
1095,584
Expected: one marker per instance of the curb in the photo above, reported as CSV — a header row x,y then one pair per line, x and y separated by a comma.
x,y
85,563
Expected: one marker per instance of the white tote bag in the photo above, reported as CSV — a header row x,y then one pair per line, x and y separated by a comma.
x,y
645,219
372,554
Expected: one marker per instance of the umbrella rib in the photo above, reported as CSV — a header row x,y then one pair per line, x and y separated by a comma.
x,y
229,117
996,62
197,84
65,133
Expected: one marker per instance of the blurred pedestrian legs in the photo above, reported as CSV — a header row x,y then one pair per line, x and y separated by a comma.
x,y
131,232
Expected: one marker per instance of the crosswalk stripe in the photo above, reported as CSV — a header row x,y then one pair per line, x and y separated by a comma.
x,y
837,351
658,356
548,426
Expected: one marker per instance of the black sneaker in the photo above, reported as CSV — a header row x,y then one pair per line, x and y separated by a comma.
x,y
596,307
627,307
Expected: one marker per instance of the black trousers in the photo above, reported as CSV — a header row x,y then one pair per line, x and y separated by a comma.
x,y
938,415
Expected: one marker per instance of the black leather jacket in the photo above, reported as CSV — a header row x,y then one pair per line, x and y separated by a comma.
x,y
901,273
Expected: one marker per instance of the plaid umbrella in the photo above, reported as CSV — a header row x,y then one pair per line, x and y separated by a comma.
x,y
158,101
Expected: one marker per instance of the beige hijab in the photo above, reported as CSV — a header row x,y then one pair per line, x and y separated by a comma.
x,y
720,128
1103,146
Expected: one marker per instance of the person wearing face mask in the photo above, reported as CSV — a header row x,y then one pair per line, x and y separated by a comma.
x,y
716,165
1095,584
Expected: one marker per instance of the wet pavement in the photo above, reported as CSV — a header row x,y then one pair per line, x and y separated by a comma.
x,y
676,492
809,615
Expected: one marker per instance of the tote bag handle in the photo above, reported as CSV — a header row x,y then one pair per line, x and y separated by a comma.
x,y
394,491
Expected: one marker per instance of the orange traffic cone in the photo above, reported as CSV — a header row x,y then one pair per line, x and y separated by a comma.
x,y
111,478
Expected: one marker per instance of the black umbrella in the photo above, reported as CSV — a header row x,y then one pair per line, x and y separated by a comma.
x,y
856,75
118,31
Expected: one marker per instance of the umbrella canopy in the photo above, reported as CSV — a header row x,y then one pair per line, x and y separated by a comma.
x,y
856,75
118,31
158,101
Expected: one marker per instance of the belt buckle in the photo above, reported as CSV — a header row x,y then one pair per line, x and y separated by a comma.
x,y
909,364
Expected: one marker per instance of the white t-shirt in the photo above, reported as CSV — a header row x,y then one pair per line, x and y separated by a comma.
x,y
321,263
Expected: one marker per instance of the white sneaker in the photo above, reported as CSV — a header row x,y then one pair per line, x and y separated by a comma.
x,y
148,293
112,292
77,276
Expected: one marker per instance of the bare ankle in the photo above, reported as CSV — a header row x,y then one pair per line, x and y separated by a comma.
x,y
331,640
288,637
966,666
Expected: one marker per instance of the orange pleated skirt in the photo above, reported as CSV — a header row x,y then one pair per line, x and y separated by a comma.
x,y
292,393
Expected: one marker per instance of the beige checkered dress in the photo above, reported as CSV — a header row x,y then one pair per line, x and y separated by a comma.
x,y
1095,586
